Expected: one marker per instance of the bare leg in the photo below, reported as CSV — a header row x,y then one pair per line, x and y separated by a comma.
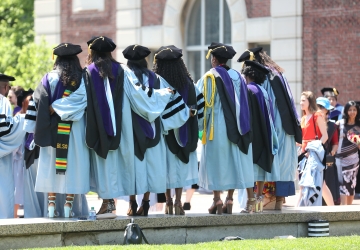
x,y
146,196
230,193
189,194
327,195
168,194
350,199
260,188
16,208
178,193
343,199
132,197
169,202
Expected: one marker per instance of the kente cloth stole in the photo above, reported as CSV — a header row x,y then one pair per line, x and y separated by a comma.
x,y
62,141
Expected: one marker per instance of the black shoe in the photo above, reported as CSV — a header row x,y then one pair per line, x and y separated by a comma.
x,y
144,208
187,206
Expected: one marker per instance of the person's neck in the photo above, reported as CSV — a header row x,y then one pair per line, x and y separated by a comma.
x,y
307,112
351,121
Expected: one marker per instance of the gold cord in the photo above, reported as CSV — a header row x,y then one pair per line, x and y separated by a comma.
x,y
211,50
209,104
252,56
62,45
159,53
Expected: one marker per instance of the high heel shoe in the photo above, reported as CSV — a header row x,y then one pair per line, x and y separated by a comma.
x,y
68,209
269,203
216,206
228,205
107,206
51,207
279,202
132,208
169,207
259,204
187,206
144,208
179,210
250,206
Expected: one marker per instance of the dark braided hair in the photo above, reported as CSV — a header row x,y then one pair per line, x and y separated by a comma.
x,y
70,69
254,74
265,60
139,67
102,61
174,72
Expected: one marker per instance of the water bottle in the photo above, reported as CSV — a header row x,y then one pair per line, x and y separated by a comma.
x,y
92,214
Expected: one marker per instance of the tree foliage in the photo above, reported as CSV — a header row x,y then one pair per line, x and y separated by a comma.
x,y
20,56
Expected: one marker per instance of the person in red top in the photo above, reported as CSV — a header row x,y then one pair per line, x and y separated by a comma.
x,y
313,124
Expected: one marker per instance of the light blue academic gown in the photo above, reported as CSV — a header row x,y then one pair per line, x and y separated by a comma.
x,y
180,174
36,203
259,173
287,153
151,172
119,174
76,179
8,143
223,166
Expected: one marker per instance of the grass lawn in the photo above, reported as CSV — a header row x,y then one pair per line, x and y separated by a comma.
x,y
333,243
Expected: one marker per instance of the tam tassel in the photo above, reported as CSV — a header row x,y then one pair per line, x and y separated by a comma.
x,y
208,54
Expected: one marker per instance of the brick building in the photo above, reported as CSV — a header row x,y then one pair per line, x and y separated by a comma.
x,y
315,41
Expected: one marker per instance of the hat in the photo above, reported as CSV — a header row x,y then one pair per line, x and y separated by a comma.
x,y
221,50
168,53
256,65
101,44
21,97
4,77
249,54
136,52
67,49
324,102
329,92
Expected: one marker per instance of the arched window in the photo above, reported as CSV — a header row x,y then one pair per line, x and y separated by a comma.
x,y
209,21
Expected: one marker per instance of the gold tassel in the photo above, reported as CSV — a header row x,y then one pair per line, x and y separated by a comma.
x,y
203,140
209,104
211,136
154,59
252,56
208,54
53,55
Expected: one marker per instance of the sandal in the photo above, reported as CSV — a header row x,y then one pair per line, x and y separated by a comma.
x,y
132,208
68,209
251,205
228,205
216,206
144,208
51,207
179,210
169,207
107,206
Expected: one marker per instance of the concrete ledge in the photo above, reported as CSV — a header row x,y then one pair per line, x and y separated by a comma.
x,y
160,229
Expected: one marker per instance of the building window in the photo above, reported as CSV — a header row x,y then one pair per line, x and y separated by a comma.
x,y
83,5
209,21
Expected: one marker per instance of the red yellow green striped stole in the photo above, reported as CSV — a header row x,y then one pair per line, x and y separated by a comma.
x,y
62,143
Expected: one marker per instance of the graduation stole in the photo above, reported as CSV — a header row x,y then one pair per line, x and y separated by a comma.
x,y
64,127
62,141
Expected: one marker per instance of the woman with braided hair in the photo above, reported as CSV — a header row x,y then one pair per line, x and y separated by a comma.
x,y
181,141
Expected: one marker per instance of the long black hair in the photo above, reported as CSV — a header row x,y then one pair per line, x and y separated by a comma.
x,y
139,67
103,61
254,74
265,60
174,72
346,110
70,69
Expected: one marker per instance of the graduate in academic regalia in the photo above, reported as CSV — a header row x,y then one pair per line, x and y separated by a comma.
x,y
149,146
332,94
181,142
264,142
11,136
287,126
56,117
226,160
113,95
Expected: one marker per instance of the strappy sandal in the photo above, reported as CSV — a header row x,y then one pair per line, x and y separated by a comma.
x,y
228,205
107,206
169,207
250,206
216,206
144,208
51,207
132,208
179,210
68,209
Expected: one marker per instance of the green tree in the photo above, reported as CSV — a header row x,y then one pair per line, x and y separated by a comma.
x,y
20,56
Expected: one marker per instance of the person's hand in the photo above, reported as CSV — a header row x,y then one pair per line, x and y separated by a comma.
x,y
307,154
170,90
51,110
191,113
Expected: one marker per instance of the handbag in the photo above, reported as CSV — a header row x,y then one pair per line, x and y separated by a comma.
x,y
133,234
328,160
